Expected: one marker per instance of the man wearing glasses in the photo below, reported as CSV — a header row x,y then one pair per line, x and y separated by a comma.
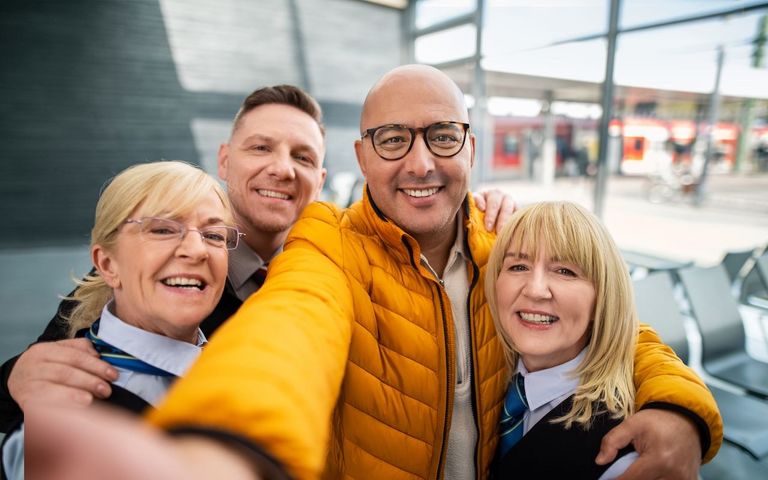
x,y
273,166
371,352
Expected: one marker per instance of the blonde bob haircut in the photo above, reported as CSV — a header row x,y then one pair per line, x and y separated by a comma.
x,y
169,189
571,233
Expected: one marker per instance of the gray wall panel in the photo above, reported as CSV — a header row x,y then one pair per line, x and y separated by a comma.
x,y
88,87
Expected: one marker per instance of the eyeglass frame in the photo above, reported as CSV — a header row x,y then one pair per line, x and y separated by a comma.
x,y
370,132
185,230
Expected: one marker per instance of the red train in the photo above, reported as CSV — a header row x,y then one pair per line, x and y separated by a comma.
x,y
637,146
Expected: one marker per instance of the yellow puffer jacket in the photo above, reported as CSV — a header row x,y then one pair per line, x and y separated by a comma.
x,y
352,334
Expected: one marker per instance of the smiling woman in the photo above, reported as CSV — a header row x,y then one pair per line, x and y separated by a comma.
x,y
162,279
159,249
563,307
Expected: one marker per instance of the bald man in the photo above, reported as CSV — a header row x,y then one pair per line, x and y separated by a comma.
x,y
371,353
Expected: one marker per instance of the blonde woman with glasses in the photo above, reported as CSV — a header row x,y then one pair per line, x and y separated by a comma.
x,y
159,247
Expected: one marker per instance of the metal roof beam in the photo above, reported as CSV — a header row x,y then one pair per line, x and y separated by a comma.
x,y
667,23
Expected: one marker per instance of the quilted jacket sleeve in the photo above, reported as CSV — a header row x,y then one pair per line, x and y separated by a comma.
x,y
273,372
663,381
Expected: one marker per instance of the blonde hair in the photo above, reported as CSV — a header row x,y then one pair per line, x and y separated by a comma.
x,y
569,232
167,188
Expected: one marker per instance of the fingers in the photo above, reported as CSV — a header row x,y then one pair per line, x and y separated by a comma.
x,y
498,208
80,354
667,446
60,383
613,441
493,200
75,353
82,344
88,376
68,363
479,201
508,207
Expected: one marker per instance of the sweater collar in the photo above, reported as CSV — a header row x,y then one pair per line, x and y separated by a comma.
x,y
403,245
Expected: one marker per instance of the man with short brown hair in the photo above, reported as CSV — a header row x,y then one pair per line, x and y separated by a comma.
x,y
371,351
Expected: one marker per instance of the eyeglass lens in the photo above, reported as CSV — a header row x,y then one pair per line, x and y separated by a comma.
x,y
443,139
166,229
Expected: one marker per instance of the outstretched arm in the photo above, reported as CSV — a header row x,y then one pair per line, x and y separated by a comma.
x,y
68,371
98,442
667,442
271,375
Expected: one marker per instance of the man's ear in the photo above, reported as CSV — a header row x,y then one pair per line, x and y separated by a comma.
x,y
323,176
223,160
106,266
472,144
359,155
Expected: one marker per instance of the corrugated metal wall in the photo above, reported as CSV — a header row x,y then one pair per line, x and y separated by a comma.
x,y
89,87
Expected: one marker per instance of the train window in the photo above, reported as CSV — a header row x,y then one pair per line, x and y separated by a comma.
x,y
511,145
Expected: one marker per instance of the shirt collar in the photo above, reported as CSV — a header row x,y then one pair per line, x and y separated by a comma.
x,y
173,356
545,386
458,244
243,263
457,252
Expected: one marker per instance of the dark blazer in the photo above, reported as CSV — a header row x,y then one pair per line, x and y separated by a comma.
x,y
550,451
11,414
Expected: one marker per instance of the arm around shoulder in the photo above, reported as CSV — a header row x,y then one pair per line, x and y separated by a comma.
x,y
663,381
10,411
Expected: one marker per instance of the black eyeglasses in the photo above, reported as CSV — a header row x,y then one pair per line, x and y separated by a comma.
x,y
393,142
163,229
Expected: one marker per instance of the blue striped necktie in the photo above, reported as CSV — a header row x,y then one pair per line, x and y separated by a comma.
x,y
118,358
515,405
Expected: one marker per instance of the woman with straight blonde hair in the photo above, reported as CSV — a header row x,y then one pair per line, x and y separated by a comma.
x,y
564,311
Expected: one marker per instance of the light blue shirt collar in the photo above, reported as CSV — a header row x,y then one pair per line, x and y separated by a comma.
x,y
173,356
544,386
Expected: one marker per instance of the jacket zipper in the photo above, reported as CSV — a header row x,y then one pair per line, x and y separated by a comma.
x,y
448,383
475,379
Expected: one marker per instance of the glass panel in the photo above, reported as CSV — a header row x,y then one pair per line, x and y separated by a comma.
x,y
577,61
451,44
430,12
642,12
516,32
515,25
518,107
684,57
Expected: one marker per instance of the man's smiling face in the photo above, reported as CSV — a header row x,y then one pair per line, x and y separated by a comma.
x,y
421,192
273,166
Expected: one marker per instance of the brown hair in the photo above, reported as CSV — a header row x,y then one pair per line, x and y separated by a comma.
x,y
281,95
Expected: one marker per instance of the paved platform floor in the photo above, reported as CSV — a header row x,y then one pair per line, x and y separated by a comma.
x,y
734,215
